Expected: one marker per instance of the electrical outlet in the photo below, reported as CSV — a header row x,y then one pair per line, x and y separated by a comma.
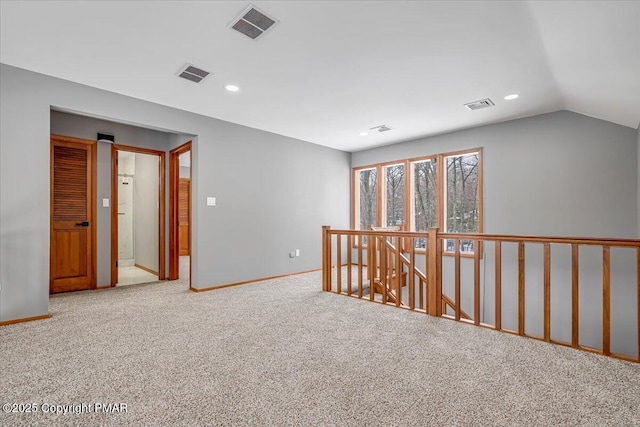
x,y
297,252
292,254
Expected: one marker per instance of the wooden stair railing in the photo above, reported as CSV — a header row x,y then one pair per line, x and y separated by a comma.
x,y
387,263
385,272
389,284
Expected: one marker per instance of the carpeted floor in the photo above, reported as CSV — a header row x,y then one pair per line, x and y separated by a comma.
x,y
282,352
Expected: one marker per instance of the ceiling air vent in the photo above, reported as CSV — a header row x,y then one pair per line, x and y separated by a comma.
x,y
252,23
192,73
381,128
477,105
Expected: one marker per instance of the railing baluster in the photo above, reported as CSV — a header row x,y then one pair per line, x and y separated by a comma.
x,y
521,288
399,271
412,275
339,262
606,301
349,249
575,305
360,268
498,288
372,265
438,255
457,276
433,302
383,268
390,282
547,292
638,296
424,286
476,281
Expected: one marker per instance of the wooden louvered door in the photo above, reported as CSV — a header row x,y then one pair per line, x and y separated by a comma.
x,y
184,204
72,248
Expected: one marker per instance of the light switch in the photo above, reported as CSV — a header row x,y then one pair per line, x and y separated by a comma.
x,y
105,203
211,201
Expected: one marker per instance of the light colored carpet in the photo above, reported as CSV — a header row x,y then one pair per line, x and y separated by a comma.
x,y
282,352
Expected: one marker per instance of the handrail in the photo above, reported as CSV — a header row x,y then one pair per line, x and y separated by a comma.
x,y
618,242
393,274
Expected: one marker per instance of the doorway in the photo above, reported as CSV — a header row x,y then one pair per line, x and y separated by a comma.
x,y
137,215
72,265
180,223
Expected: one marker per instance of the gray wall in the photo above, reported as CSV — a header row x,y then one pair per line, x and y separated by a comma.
x,y
185,172
555,174
274,193
638,137
87,128
145,202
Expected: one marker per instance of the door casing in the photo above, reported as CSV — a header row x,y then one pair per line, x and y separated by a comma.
x,y
114,208
174,234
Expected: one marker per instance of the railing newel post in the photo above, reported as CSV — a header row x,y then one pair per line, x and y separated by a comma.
x,y
349,250
339,263
575,300
521,288
326,274
477,253
433,304
606,300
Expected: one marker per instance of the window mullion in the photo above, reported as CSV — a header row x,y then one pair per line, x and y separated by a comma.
x,y
408,192
440,196
381,188
355,199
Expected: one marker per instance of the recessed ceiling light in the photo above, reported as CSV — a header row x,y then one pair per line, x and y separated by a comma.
x,y
232,88
364,133
512,96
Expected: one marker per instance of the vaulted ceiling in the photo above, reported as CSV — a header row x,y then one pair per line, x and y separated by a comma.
x,y
328,71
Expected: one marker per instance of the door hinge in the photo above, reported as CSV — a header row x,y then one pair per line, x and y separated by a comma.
x,y
116,263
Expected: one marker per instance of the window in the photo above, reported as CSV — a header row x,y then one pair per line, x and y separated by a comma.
x,y
442,190
394,195
462,205
425,197
368,198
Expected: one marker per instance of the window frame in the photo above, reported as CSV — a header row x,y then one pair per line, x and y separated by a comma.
x,y
412,183
355,198
383,203
409,191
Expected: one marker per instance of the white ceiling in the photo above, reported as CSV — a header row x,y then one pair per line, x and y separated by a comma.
x,y
332,69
